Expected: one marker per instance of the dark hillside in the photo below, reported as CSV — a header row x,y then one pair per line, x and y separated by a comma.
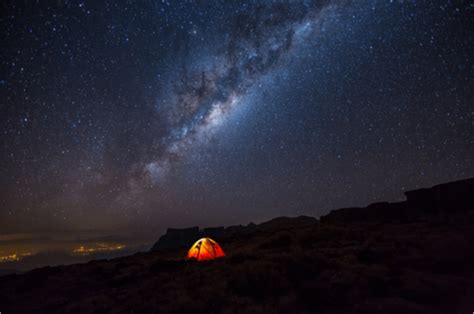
x,y
415,260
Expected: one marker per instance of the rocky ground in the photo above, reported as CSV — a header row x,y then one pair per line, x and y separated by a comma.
x,y
288,265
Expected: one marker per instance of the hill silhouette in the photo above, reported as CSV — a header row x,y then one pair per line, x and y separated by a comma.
x,y
408,257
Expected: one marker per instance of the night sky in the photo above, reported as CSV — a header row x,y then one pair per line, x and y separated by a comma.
x,y
142,115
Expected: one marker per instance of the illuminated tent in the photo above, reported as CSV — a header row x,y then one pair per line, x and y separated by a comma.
x,y
205,249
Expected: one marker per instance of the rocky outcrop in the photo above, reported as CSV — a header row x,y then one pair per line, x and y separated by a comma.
x,y
457,196
437,202
382,212
176,238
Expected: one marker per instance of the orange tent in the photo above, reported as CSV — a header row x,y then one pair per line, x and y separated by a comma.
x,y
205,249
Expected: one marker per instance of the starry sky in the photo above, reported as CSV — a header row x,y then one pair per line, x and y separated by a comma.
x,y
141,115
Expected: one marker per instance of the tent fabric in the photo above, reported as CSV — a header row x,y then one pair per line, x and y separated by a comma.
x,y
205,249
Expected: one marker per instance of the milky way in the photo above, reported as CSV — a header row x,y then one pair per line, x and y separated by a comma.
x,y
202,100
157,114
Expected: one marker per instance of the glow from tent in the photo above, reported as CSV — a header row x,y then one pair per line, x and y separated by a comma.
x,y
205,249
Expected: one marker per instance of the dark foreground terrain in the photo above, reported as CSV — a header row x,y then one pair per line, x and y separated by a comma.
x,y
410,257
